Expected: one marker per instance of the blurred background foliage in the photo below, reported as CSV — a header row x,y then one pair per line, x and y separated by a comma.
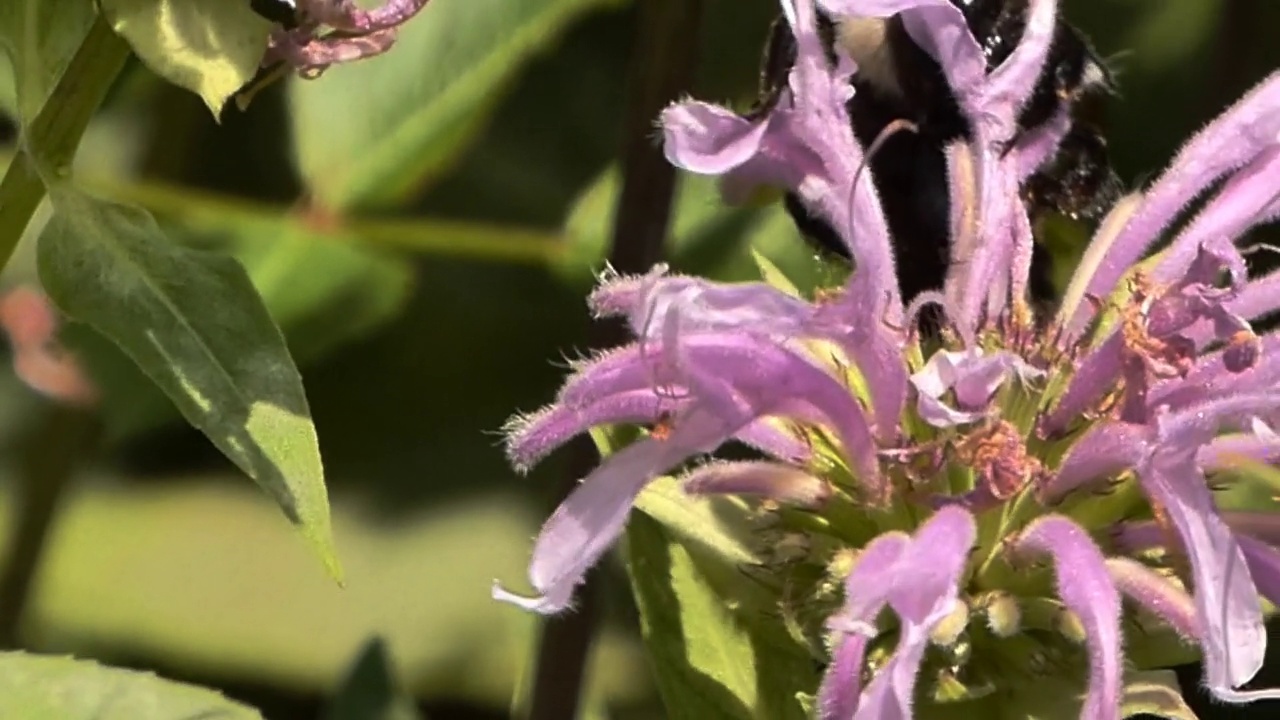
x,y
424,226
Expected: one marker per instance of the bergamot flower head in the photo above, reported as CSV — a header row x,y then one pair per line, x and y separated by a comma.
x,y
978,504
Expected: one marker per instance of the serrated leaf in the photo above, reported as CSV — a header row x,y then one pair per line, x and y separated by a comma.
x,y
193,323
1155,692
370,131
710,661
39,37
210,47
45,687
369,692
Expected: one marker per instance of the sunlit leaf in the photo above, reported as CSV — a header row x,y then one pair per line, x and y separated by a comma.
x,y
39,37
702,521
323,289
43,687
369,691
210,47
773,275
1154,693
710,661
193,322
367,132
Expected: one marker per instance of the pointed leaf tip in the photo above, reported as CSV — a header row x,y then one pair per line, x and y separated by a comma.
x,y
194,323
210,47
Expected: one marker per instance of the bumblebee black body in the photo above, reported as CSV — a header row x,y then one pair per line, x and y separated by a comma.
x,y
283,12
897,80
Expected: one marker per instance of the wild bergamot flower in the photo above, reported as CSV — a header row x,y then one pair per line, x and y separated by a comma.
x,y
1003,486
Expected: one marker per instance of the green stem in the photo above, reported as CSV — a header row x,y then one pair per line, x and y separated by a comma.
x,y
49,460
49,144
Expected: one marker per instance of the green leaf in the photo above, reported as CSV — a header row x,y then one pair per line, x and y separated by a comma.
x,y
1155,692
210,47
371,131
194,324
43,687
322,291
705,522
39,37
773,275
704,230
708,237
713,658
369,691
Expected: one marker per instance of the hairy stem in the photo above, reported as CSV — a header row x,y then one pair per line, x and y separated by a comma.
x,y
662,64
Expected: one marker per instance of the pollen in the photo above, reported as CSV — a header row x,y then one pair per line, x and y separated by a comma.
x,y
999,455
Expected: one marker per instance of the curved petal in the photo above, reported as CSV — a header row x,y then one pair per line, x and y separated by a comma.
x,y
1159,595
709,139
591,519
1086,588
532,437
783,483
866,593
1104,451
1248,128
923,595
1233,637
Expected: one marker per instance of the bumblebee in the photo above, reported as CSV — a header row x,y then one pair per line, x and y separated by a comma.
x,y
897,80
282,12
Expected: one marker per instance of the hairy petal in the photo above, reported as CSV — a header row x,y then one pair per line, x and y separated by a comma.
x,y
923,595
1247,129
1087,589
1227,451
589,521
1011,84
866,593
1264,566
1157,594
1211,378
531,438
1103,452
697,305
783,483
1243,202
709,139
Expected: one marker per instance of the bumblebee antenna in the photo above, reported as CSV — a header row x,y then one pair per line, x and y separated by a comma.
x,y
888,131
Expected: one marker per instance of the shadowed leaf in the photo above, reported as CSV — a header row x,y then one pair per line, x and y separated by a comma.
x,y
194,324
369,691
43,687
368,132
712,659
39,37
